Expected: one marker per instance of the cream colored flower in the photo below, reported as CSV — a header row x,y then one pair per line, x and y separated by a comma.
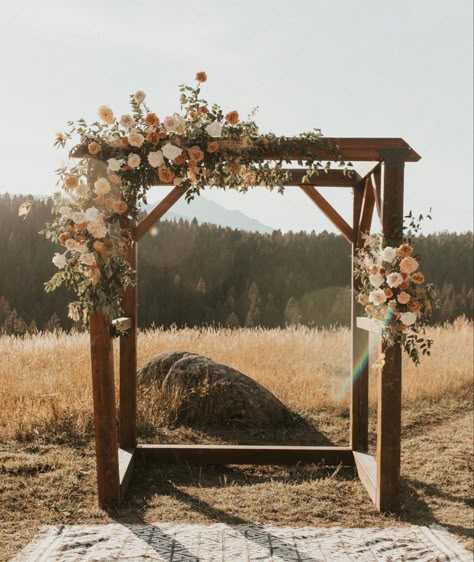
x,y
376,280
155,159
377,297
133,160
114,165
408,265
101,186
136,139
78,217
139,96
87,259
92,214
171,151
178,180
81,190
389,254
127,121
106,114
408,318
98,229
394,279
175,124
70,244
59,261
65,211
214,129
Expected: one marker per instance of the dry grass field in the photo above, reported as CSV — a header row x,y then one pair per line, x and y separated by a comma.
x,y
46,453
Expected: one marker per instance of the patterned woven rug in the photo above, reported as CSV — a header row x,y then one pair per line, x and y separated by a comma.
x,y
168,542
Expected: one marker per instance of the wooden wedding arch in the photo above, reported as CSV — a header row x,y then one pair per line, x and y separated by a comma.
x,y
117,448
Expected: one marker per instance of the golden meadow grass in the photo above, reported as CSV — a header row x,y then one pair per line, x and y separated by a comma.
x,y
45,379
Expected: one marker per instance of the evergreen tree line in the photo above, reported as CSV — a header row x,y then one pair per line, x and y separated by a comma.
x,y
197,275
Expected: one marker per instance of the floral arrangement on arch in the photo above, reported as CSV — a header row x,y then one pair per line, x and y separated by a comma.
x,y
394,293
116,160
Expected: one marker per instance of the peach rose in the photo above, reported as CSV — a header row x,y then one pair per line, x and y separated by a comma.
x,y
418,278
71,182
63,237
404,250
403,286
362,299
203,110
106,114
120,207
232,117
94,147
115,179
123,142
212,146
180,160
414,306
153,137
233,169
369,309
373,269
193,115
98,246
382,271
403,298
196,154
201,76
408,265
388,293
192,175
152,120
165,174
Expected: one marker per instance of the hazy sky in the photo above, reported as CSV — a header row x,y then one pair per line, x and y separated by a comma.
x,y
366,68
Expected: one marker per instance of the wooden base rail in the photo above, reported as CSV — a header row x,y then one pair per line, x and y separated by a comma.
x,y
247,454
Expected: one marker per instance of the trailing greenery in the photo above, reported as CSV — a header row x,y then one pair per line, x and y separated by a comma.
x,y
195,275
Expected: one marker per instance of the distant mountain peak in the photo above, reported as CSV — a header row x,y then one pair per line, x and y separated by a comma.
x,y
206,210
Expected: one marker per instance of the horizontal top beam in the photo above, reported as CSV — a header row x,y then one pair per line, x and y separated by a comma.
x,y
329,148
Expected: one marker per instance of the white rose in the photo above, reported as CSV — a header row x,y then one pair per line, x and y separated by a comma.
x,y
139,96
389,254
133,160
180,125
101,186
59,261
155,159
171,151
136,139
114,164
127,121
70,244
87,259
81,190
97,228
214,129
394,279
408,318
377,297
81,247
376,280
78,217
92,214
65,212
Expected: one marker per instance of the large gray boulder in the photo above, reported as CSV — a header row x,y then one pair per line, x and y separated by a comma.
x,y
197,391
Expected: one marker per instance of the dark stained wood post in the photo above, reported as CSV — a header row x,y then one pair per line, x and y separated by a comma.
x,y
359,415
128,354
390,376
105,417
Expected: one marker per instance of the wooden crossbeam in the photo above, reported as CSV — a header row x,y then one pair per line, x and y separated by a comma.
x,y
163,207
329,148
328,210
248,454
367,211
